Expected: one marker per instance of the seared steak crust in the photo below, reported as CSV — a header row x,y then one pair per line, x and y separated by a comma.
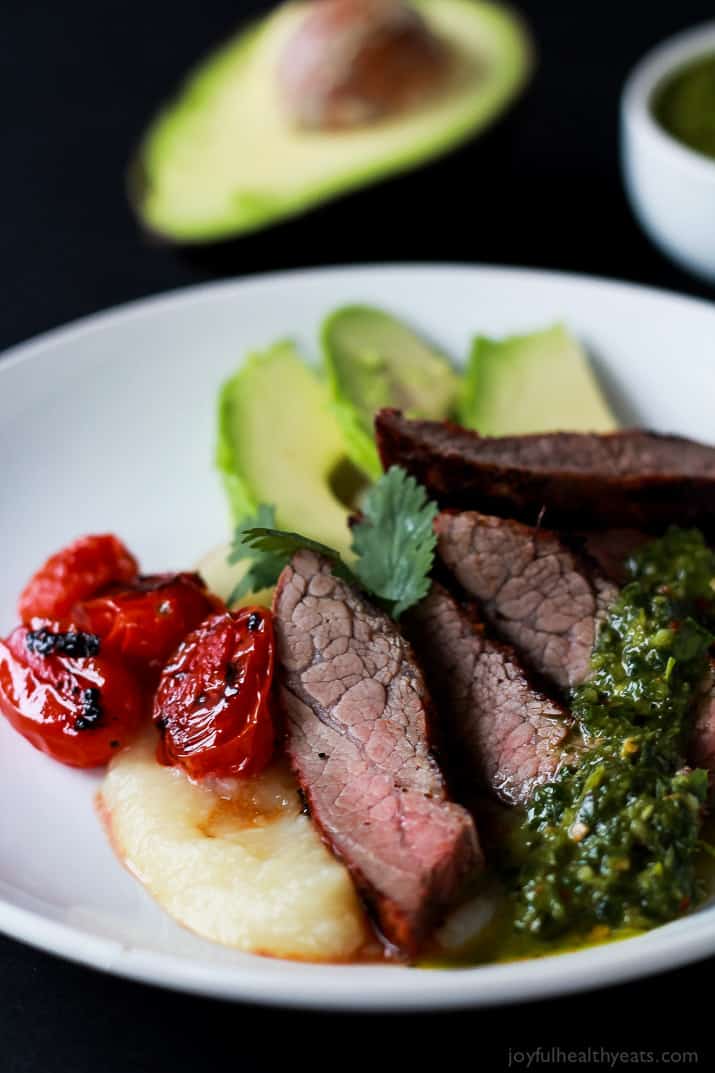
x,y
623,479
357,731
502,728
534,591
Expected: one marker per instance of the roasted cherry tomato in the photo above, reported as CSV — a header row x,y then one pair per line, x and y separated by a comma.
x,y
82,569
145,622
212,704
66,698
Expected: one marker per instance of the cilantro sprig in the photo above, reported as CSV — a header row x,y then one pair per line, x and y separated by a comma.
x,y
269,551
393,543
264,567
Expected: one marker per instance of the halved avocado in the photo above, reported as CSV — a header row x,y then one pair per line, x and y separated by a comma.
x,y
223,158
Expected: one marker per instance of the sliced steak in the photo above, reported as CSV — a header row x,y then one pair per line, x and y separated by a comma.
x,y
609,550
702,745
625,479
503,729
534,590
357,726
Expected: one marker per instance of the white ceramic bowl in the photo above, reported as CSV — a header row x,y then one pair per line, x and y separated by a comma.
x,y
671,187
109,425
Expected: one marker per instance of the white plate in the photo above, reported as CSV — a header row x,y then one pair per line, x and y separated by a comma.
x,y
109,425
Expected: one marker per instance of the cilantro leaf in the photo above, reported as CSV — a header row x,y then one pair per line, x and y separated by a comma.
x,y
265,568
269,550
395,542
265,517
278,545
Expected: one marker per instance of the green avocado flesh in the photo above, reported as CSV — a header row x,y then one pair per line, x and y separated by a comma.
x,y
685,105
541,382
279,443
374,360
223,159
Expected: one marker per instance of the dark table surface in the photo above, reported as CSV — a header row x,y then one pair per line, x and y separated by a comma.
x,y
78,81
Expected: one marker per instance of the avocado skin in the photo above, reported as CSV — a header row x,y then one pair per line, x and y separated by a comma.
x,y
259,209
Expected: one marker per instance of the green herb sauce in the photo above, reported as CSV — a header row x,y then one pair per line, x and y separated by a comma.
x,y
685,105
611,844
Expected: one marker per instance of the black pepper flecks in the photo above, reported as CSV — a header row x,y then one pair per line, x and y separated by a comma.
x,y
305,807
91,712
72,643
254,621
233,686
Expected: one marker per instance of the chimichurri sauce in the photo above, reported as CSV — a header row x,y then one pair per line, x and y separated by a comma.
x,y
685,105
610,845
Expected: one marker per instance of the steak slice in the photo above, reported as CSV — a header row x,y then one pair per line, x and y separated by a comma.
x,y
609,550
619,479
357,713
534,590
505,731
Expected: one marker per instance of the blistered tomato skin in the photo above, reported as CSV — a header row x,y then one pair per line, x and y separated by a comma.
x,y
144,623
78,710
212,705
81,570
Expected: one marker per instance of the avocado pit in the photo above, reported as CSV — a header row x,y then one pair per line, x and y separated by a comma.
x,y
354,62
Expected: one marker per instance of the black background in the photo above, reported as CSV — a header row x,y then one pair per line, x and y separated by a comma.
x,y
77,81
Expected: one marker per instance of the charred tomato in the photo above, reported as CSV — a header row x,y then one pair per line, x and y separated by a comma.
x,y
65,697
212,704
144,623
81,570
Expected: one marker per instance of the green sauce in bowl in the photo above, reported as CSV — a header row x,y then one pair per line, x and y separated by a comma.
x,y
685,105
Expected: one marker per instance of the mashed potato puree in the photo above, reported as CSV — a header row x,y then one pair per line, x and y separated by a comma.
x,y
237,863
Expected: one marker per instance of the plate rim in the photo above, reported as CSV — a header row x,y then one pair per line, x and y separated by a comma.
x,y
159,301
369,988
328,986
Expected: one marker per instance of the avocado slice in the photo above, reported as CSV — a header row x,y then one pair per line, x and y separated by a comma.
x,y
279,443
223,159
542,382
374,360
